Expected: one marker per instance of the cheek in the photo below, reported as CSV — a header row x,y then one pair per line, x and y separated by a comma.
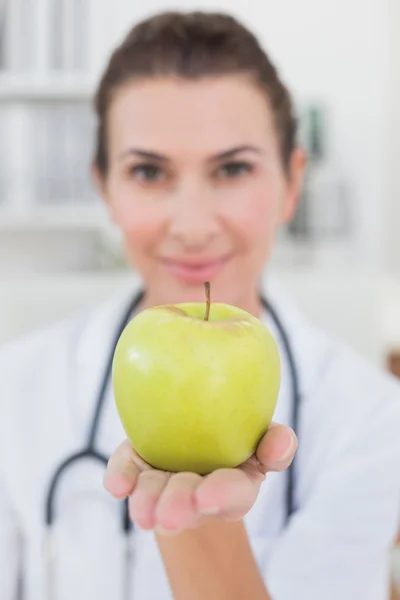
x,y
254,214
139,220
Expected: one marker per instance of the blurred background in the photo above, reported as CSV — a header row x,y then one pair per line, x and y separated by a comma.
x,y
340,258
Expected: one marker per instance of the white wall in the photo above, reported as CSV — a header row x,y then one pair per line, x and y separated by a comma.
x,y
333,51
392,154
26,252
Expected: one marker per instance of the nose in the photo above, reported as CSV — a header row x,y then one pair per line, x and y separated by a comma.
x,y
193,217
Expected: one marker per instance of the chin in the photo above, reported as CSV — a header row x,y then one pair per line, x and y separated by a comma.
x,y
179,292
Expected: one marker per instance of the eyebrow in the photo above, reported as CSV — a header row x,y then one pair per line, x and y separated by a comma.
x,y
149,155
143,154
234,151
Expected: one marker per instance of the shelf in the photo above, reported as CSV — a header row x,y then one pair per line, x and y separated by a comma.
x,y
29,88
60,218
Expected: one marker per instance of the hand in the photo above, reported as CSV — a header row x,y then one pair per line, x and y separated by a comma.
x,y
171,502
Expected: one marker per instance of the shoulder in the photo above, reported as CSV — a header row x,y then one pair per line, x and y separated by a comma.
x,y
33,347
33,373
350,386
345,400
349,419
334,378
34,355
348,430
353,373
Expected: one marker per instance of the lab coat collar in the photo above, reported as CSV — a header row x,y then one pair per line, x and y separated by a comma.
x,y
94,347
311,347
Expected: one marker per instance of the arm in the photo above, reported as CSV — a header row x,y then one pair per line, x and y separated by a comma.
x,y
214,561
204,556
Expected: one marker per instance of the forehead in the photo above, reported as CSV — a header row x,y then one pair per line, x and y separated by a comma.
x,y
207,114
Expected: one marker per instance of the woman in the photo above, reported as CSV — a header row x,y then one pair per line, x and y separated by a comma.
x,y
197,160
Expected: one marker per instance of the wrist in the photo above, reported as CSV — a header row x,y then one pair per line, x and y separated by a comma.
x,y
213,561
208,525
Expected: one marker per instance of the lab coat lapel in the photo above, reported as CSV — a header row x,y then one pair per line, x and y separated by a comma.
x,y
93,353
266,519
309,345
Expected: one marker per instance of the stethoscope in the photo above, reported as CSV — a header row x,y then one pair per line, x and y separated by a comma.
x,y
89,451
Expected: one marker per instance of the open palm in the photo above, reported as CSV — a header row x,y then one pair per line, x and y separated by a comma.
x,y
171,502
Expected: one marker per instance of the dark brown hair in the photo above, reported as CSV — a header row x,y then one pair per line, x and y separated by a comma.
x,y
194,45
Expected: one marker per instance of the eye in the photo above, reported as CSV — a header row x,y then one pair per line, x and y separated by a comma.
x,y
234,169
147,173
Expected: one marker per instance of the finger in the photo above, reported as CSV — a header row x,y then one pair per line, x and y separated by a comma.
x,y
177,508
277,449
143,502
122,472
227,493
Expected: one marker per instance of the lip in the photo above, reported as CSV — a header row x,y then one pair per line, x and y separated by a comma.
x,y
195,271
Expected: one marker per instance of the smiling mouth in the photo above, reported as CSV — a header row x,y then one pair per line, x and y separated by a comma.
x,y
195,271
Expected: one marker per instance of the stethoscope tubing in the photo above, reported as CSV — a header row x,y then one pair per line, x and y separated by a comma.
x,y
89,451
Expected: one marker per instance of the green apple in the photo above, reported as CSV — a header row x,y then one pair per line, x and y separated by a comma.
x,y
196,385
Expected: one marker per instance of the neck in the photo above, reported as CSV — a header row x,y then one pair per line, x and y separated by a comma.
x,y
248,302
255,307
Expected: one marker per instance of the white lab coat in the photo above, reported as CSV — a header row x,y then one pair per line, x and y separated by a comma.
x,y
347,477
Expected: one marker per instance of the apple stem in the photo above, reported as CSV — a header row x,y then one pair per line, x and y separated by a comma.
x,y
208,300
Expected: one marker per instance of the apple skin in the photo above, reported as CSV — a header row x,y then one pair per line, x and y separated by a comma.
x,y
196,395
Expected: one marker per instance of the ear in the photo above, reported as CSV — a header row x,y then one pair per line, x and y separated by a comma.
x,y
297,167
98,181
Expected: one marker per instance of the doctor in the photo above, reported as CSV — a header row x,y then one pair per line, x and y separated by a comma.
x,y
197,160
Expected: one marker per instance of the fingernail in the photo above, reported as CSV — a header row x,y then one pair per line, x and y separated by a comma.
x,y
166,532
289,450
210,511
